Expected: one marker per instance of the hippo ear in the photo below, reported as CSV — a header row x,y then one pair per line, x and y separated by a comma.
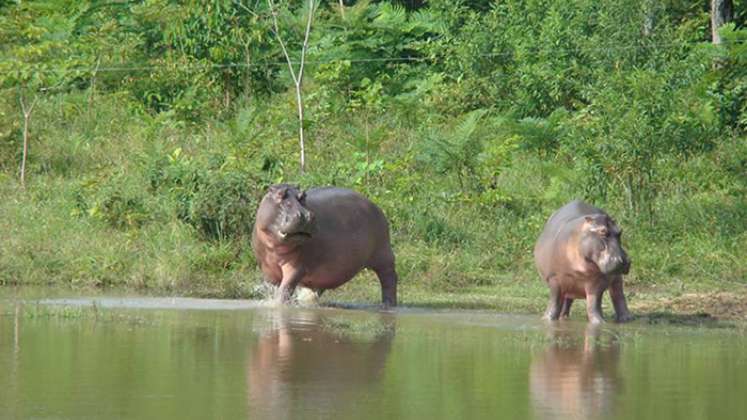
x,y
278,192
594,226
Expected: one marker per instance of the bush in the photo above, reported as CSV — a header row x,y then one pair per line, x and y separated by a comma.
x,y
119,201
224,206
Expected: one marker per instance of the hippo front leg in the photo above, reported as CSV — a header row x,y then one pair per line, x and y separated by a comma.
x,y
554,305
622,314
594,306
291,276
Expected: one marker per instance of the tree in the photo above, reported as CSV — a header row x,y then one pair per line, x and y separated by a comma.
x,y
297,76
721,13
26,108
36,60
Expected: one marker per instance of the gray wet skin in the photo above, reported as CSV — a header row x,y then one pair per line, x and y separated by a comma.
x,y
320,239
579,255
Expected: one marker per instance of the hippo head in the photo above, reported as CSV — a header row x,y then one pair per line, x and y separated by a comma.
x,y
283,214
600,244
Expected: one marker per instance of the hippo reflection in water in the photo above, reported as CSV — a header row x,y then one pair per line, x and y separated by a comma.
x,y
571,380
316,359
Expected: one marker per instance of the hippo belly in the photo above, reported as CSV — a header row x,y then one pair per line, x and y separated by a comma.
x,y
329,277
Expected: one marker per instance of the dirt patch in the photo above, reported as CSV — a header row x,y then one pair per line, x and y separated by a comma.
x,y
699,306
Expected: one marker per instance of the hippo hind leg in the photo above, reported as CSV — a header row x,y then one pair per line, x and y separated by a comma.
x,y
383,266
388,280
565,310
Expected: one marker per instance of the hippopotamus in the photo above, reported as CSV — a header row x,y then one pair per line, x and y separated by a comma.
x,y
320,239
579,255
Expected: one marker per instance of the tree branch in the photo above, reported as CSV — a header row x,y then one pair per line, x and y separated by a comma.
x,y
280,40
24,108
240,4
305,47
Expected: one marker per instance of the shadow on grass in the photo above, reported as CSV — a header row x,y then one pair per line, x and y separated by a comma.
x,y
698,319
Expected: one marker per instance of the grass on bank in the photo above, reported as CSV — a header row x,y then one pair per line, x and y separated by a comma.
x,y
127,200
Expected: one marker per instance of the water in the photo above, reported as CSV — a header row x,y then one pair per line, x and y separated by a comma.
x,y
138,358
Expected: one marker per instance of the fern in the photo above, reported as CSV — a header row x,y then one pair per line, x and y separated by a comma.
x,y
390,16
456,151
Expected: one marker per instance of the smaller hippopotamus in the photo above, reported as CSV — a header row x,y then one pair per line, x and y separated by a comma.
x,y
320,239
579,255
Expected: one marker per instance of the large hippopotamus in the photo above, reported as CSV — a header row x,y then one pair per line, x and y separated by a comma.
x,y
320,239
579,255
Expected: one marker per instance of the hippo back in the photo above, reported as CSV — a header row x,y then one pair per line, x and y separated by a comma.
x,y
342,210
557,230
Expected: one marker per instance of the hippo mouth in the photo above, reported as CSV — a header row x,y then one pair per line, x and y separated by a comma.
x,y
295,235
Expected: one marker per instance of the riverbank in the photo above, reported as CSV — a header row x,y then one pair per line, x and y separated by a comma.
x,y
450,261
48,241
661,304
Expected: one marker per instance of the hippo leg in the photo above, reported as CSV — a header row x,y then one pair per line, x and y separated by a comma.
x,y
618,300
565,311
594,306
383,265
291,277
554,305
388,279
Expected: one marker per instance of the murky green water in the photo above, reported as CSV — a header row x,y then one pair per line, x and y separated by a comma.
x,y
148,358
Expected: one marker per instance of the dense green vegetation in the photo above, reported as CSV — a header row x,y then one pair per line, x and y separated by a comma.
x,y
157,125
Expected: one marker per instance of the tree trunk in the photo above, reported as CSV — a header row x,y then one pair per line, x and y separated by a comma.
x,y
721,13
226,90
299,102
296,76
92,91
649,19
368,159
26,120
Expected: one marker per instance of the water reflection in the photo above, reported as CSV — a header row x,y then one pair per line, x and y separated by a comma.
x,y
311,360
576,379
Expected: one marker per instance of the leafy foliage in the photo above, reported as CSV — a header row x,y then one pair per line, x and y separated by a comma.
x,y
161,123
456,151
